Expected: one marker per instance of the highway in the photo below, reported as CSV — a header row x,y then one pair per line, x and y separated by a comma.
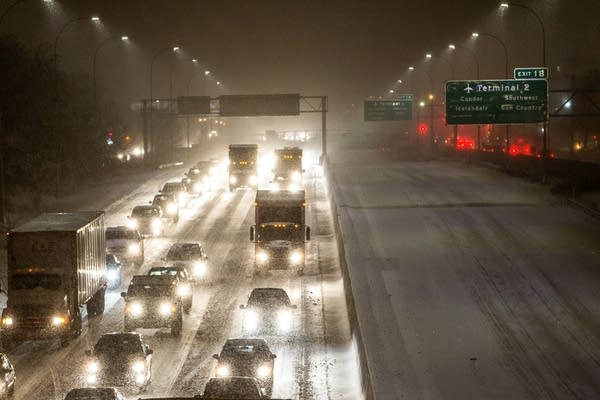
x,y
317,360
469,283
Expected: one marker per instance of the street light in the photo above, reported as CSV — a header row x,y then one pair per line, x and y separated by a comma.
x,y
506,5
13,5
432,140
475,35
123,38
60,156
154,57
453,47
497,39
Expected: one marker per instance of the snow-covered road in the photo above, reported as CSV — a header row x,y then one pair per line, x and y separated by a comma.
x,y
469,284
317,361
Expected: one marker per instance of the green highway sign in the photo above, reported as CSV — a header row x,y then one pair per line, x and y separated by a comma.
x,y
507,101
399,109
531,73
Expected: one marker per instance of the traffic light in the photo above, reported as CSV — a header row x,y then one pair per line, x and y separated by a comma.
x,y
423,128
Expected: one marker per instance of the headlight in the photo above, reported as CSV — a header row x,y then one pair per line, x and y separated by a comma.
x,y
263,371
166,309
134,249
293,187
200,268
140,378
197,187
156,226
132,224
112,275
171,208
138,366
232,179
91,379
135,309
223,370
275,187
93,367
296,257
58,320
183,290
262,257
252,180
8,321
296,176
250,320
284,320
182,197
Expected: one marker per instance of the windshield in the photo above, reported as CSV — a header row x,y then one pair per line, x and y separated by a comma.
x,y
91,394
190,253
144,212
163,271
268,298
279,214
231,389
33,281
280,232
150,290
172,187
117,344
114,234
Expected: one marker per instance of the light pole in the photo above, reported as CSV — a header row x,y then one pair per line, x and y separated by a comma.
x,y
531,11
475,35
154,57
429,57
60,153
13,5
94,69
453,47
431,97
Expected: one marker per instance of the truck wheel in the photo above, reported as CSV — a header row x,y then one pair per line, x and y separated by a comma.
x,y
176,326
95,305
77,323
188,306
128,327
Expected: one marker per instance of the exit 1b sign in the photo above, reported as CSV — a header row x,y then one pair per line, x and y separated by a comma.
x,y
531,73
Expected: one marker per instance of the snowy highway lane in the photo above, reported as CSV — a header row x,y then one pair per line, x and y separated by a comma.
x,y
316,361
469,284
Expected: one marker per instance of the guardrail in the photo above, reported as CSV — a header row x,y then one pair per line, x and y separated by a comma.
x,y
366,381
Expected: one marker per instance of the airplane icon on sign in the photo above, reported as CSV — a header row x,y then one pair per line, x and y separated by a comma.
x,y
468,89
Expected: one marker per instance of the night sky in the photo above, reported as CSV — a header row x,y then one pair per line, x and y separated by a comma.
x,y
347,50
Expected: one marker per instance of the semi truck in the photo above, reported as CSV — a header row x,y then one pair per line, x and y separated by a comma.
x,y
287,171
243,166
280,232
56,265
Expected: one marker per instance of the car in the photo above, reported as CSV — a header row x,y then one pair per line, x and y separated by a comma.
x,y
153,302
7,377
126,243
246,357
113,271
147,220
120,359
178,189
95,393
198,179
168,205
267,310
185,282
192,255
233,387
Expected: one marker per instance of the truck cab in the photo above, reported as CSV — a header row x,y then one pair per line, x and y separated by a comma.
x,y
280,232
243,166
56,265
287,171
